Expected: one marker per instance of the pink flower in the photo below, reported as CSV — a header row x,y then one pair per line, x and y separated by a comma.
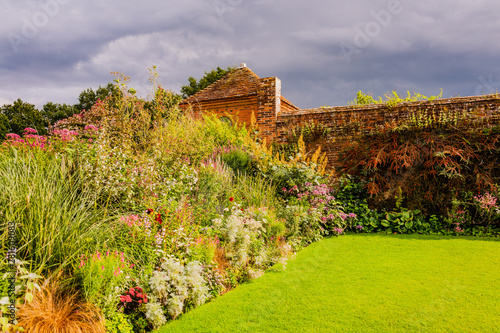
x,y
91,128
125,298
13,136
29,130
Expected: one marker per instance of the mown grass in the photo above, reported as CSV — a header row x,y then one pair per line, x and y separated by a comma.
x,y
366,283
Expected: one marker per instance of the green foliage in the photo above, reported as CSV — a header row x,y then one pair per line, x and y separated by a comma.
x,y
237,159
22,115
50,206
303,224
253,191
392,98
210,77
89,97
4,126
53,112
163,105
310,131
350,192
364,99
117,322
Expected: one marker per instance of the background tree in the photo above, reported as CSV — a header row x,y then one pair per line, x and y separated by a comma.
x,y
21,115
88,97
53,112
209,78
4,126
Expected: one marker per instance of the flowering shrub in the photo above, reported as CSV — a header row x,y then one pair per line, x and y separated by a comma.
x,y
132,300
247,237
65,135
177,287
30,140
457,219
487,207
103,276
132,303
319,201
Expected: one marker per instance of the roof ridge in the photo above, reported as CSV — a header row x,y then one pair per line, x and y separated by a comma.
x,y
225,87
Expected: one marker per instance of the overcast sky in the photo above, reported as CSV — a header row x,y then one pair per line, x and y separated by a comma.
x,y
323,51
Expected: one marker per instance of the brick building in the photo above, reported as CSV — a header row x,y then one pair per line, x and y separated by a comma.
x,y
241,93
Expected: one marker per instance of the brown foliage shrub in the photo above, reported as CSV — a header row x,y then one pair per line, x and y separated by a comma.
x,y
432,166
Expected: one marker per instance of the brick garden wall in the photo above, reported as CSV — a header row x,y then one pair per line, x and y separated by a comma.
x,y
348,124
241,93
239,108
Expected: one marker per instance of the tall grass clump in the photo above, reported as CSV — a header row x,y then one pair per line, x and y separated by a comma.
x,y
255,191
55,216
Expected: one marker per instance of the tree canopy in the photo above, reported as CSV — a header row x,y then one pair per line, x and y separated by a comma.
x,y
21,115
210,77
89,97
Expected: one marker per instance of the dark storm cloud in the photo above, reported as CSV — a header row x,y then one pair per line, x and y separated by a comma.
x,y
323,51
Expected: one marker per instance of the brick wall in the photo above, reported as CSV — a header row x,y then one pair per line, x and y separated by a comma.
x,y
268,106
347,124
239,108
241,93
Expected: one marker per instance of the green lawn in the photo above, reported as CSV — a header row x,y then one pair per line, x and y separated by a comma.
x,y
366,283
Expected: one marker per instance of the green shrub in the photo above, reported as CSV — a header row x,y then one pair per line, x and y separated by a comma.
x,y
103,276
118,323
237,159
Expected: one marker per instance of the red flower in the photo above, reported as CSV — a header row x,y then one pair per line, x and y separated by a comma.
x,y
158,218
126,298
149,210
242,210
231,199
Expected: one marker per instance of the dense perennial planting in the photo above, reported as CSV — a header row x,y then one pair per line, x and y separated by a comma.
x,y
145,215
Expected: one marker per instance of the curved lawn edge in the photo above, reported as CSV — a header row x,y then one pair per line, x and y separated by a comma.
x,y
366,283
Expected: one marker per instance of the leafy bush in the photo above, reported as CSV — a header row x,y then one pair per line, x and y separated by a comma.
x,y
103,276
432,163
118,323
237,159
177,287
282,173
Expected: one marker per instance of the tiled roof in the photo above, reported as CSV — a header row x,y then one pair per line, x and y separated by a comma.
x,y
239,82
291,106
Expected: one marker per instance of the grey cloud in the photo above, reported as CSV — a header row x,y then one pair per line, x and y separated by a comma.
x,y
427,45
